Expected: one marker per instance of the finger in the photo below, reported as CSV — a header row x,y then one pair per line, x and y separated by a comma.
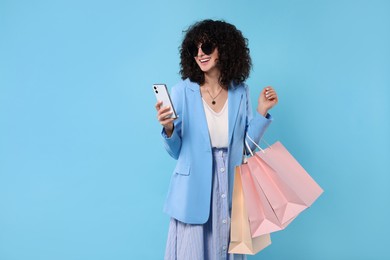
x,y
272,97
270,94
158,105
164,116
167,121
164,109
268,90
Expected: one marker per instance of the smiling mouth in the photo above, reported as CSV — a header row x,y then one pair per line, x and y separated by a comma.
x,y
204,60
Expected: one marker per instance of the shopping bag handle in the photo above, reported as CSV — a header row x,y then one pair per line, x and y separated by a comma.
x,y
258,146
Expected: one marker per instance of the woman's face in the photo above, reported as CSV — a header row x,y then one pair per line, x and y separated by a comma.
x,y
207,62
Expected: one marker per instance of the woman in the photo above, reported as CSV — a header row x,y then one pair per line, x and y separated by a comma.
x,y
207,138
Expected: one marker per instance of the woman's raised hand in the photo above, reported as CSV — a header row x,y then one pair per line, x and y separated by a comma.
x,y
267,100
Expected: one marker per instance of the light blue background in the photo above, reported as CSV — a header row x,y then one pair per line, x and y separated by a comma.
x,y
83,173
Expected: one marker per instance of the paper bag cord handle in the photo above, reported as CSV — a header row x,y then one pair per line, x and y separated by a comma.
x,y
246,143
248,148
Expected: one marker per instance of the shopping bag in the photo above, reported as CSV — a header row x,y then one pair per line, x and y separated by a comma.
x,y
283,200
262,218
291,172
288,188
241,241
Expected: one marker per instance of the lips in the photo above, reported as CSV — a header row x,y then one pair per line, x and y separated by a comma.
x,y
204,60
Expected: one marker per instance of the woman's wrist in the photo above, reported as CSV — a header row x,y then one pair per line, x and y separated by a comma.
x,y
262,111
168,130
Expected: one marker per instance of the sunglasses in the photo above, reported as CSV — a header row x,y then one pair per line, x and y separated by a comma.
x,y
207,48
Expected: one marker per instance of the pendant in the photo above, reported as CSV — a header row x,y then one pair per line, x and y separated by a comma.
x,y
213,102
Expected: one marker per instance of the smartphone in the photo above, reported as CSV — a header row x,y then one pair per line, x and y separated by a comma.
x,y
162,94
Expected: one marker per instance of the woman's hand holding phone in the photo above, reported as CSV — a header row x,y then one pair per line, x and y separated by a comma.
x,y
164,117
166,113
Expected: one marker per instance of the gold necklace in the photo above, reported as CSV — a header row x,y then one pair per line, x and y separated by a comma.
x,y
213,98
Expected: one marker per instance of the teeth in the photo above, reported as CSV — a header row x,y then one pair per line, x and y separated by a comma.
x,y
204,60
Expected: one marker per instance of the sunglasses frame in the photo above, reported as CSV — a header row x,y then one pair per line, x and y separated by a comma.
x,y
207,48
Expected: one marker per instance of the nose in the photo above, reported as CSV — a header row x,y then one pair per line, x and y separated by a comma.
x,y
200,51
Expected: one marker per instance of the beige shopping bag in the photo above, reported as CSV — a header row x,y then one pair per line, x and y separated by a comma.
x,y
241,241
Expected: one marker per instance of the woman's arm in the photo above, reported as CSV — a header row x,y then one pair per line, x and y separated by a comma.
x,y
258,122
171,131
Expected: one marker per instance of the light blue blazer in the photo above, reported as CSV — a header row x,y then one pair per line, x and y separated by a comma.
x,y
189,195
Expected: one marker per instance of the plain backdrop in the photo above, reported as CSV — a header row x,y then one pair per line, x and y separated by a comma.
x,y
83,172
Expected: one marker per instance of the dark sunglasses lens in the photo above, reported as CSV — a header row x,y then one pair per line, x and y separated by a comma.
x,y
192,50
207,48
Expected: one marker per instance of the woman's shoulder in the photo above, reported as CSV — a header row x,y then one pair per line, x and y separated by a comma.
x,y
185,83
241,85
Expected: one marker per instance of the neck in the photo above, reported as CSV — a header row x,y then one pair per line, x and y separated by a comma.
x,y
211,80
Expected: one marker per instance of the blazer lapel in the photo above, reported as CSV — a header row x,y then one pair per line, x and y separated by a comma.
x,y
197,106
234,99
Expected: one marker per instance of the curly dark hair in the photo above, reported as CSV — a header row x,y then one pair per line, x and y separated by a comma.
x,y
234,60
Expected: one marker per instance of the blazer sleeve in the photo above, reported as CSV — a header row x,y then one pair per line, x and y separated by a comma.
x,y
257,124
173,143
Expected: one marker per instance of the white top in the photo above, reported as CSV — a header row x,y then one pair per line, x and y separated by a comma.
x,y
218,125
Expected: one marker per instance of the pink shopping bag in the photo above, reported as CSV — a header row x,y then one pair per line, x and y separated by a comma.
x,y
278,158
285,184
283,200
261,216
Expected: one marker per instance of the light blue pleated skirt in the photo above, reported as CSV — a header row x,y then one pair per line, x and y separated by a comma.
x,y
209,241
